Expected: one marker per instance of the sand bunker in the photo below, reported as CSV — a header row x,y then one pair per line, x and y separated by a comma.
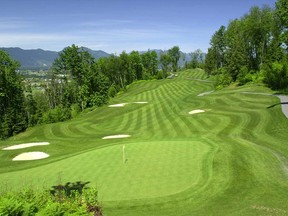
x,y
205,93
196,111
26,145
123,104
118,105
30,156
117,136
140,102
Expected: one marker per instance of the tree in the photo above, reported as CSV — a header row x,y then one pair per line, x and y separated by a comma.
x,y
282,13
13,117
218,46
136,65
236,55
197,59
78,67
174,54
210,62
150,62
165,61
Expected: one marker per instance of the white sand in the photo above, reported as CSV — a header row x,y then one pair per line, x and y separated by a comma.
x,y
140,102
118,105
26,145
196,111
205,93
117,136
30,156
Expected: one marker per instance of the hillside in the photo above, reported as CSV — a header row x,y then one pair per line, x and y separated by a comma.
x,y
42,59
185,150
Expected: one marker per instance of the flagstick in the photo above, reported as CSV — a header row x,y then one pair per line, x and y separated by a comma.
x,y
123,153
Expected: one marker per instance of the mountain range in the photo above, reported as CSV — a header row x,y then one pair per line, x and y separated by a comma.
x,y
39,59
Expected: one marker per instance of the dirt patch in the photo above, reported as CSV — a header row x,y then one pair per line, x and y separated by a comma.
x,y
30,156
119,136
25,145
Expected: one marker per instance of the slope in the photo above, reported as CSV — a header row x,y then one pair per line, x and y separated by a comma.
x,y
229,160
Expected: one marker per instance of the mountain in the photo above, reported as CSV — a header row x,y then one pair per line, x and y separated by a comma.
x,y
32,59
37,59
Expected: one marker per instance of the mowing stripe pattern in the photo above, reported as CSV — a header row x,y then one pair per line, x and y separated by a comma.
x,y
229,160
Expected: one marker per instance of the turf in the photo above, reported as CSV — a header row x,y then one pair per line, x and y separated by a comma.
x,y
229,160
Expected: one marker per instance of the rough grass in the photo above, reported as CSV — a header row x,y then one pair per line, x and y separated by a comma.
x,y
230,160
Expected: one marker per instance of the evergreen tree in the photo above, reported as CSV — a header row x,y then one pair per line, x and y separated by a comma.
x,y
13,117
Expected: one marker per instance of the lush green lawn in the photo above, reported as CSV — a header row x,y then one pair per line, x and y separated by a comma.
x,y
230,160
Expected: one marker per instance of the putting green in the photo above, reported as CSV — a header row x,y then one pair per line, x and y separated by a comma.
x,y
151,169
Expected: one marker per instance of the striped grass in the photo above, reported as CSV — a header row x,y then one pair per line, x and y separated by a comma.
x,y
230,160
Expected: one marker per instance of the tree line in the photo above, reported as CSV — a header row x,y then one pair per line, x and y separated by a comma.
x,y
252,48
76,82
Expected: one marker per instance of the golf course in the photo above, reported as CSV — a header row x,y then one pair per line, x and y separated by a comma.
x,y
165,147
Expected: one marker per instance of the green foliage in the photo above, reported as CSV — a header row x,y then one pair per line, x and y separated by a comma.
x,y
282,14
250,43
174,54
244,76
13,118
58,114
30,203
165,61
10,207
197,60
276,75
223,79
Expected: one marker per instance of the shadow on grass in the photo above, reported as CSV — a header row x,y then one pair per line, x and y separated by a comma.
x,y
283,103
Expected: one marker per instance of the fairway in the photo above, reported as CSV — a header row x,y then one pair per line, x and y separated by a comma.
x,y
166,147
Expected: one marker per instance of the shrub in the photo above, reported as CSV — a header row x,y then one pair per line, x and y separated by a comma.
x,y
10,206
72,200
276,75
223,79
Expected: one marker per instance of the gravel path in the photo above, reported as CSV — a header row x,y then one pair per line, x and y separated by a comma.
x,y
284,104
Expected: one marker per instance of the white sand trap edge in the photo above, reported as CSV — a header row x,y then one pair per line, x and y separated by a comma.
x,y
119,136
196,111
118,105
140,102
205,93
30,156
26,145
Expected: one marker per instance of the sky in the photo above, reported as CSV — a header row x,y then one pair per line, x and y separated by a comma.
x,y
117,25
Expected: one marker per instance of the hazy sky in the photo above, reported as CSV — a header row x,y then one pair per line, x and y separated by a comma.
x,y
117,25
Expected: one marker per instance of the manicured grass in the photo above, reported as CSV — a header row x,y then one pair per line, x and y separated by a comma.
x,y
230,160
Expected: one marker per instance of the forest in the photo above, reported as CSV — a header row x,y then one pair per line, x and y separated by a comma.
x,y
252,48
75,82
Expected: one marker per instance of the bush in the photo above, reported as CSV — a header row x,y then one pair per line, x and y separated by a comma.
x,y
11,207
244,76
276,75
223,79
57,114
30,203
